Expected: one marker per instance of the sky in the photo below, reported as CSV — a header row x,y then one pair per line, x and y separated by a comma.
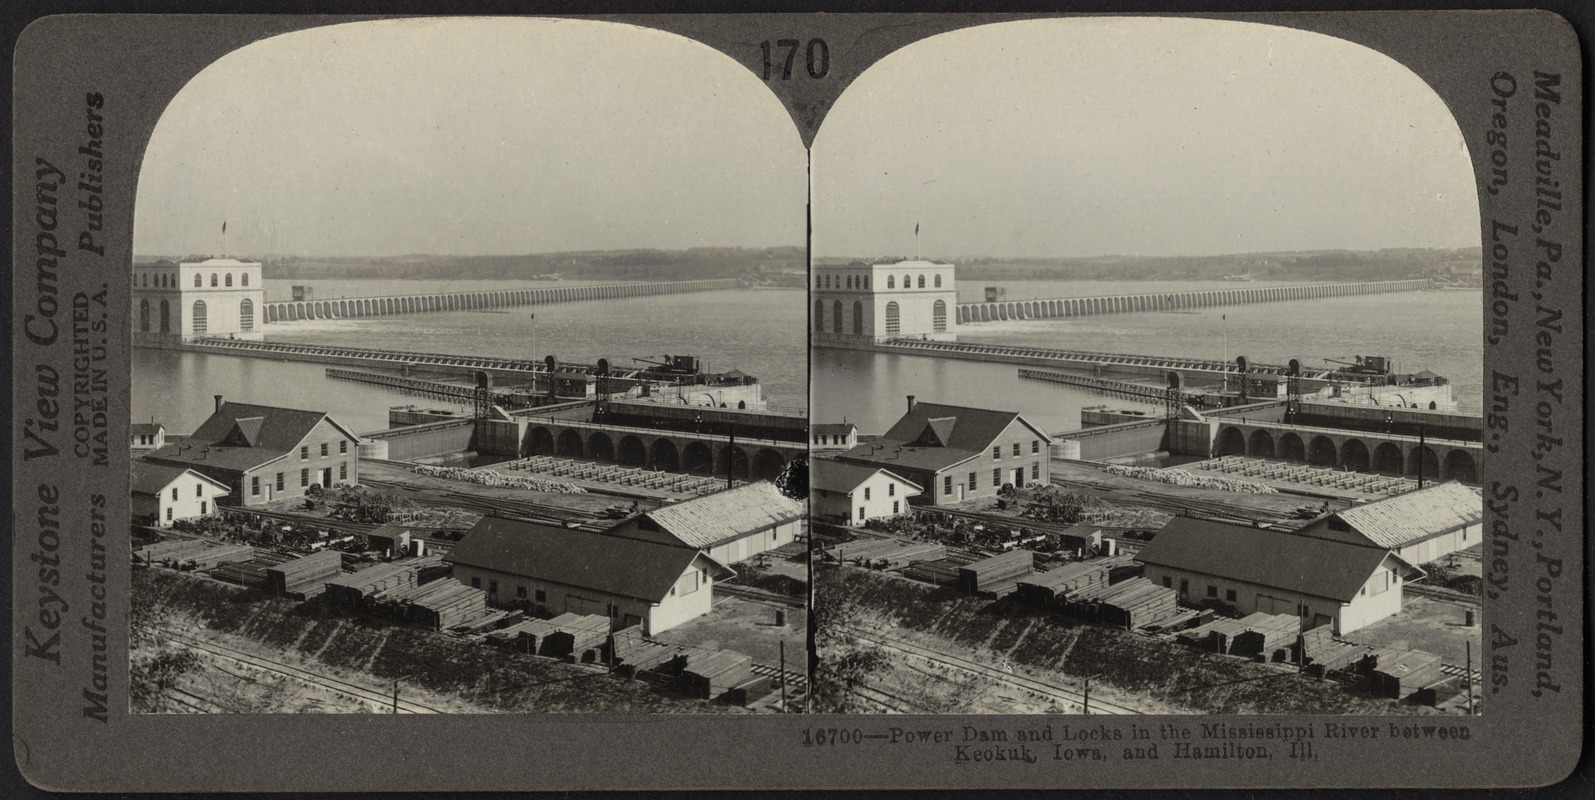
x,y
471,137
1152,137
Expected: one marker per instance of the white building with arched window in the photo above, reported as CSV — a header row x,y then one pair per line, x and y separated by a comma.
x,y
181,301
861,303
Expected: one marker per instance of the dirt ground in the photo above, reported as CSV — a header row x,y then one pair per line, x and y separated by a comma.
x,y
747,627
1120,488
424,486
1428,624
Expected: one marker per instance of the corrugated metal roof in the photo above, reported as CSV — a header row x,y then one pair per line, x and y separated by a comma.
x,y
834,476
706,521
1290,562
613,564
1406,518
833,428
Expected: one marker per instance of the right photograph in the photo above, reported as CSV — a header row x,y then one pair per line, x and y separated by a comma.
x,y
1146,376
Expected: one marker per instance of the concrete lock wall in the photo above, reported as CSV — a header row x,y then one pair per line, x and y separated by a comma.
x,y
287,311
421,441
500,437
1167,301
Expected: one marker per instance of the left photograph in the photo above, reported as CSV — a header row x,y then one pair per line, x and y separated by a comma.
x,y
470,376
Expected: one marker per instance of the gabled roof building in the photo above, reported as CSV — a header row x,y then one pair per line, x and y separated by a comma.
x,y
264,453
957,453
163,494
1420,526
853,494
552,570
1323,581
729,526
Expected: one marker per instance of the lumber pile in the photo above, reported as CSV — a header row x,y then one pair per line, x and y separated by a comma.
x,y
939,572
999,574
1271,638
494,618
754,689
578,636
632,651
1136,603
436,605
1322,653
1046,588
710,674
1180,620
305,577
244,573
1219,635
354,588
1404,674
193,553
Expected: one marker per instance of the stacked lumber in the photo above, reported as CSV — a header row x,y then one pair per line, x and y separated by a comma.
x,y
1180,620
1439,692
710,674
751,691
1405,674
1136,603
437,605
307,576
580,636
1045,588
193,553
1219,635
940,572
492,619
353,589
244,573
1321,652
1268,637
998,573
630,649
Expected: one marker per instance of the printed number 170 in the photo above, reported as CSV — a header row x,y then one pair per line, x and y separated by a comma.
x,y
817,56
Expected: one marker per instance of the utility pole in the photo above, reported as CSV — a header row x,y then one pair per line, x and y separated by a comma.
x,y
783,675
1467,675
731,457
395,696
1087,708
1421,447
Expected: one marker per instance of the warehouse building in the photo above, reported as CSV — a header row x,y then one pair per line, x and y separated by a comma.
x,y
1322,581
265,453
550,571
163,494
1419,526
729,526
853,494
958,453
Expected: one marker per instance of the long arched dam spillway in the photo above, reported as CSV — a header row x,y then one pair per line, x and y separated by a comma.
x,y
343,307
1049,308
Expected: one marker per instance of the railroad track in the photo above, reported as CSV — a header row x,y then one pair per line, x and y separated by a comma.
x,y
1475,677
760,596
1077,698
380,698
891,702
296,519
796,681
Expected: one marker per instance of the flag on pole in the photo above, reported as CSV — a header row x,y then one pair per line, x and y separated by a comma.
x,y
224,226
916,229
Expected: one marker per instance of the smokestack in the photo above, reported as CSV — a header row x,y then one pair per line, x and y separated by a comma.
x,y
910,403
218,402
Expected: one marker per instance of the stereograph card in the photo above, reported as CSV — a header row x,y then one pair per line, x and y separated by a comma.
x,y
797,400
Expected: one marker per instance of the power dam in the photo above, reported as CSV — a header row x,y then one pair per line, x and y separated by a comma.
x,y
1003,310
290,310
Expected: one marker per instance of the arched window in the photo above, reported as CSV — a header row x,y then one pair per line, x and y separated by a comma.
x,y
922,281
938,317
246,315
893,326
213,280
850,281
890,282
201,325
243,280
146,280
938,281
866,281
819,315
836,317
166,317
907,282
819,282
229,280
144,315
858,318
198,281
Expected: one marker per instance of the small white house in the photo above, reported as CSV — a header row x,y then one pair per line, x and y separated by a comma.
x,y
164,494
147,436
833,436
855,494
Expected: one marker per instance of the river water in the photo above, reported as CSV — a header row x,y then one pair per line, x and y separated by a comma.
x,y
759,331
1439,330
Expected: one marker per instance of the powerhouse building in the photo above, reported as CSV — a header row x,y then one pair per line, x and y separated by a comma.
x,y
867,303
